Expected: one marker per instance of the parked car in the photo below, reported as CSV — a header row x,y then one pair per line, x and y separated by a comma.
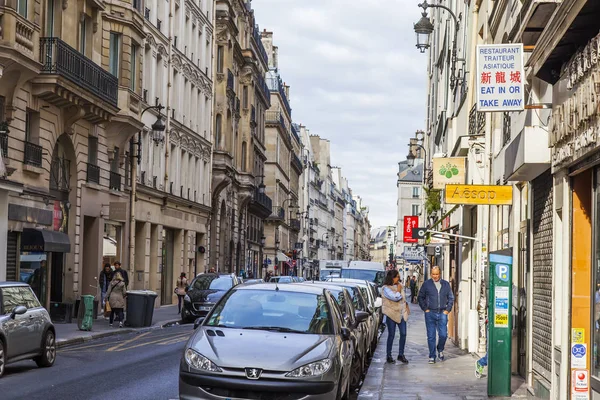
x,y
359,330
254,281
282,279
204,292
299,327
26,331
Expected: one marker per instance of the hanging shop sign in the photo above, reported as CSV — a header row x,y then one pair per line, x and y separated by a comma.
x,y
448,171
500,78
410,222
478,194
574,126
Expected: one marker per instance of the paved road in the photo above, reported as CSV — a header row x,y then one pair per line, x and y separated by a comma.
x,y
142,366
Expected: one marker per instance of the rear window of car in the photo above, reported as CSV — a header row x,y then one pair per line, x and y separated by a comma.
x,y
18,296
205,282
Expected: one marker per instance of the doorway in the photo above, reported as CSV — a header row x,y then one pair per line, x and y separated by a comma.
x,y
56,277
166,296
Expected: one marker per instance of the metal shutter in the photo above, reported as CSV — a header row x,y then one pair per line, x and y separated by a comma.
x,y
542,275
11,256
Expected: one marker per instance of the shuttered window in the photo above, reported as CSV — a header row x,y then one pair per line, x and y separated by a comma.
x,y
11,256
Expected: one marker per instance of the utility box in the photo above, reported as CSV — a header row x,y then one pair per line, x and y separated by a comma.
x,y
500,323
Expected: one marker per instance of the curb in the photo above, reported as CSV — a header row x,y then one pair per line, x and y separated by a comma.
x,y
100,335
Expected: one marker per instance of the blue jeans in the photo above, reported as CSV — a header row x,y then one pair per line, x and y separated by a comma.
x,y
391,327
436,322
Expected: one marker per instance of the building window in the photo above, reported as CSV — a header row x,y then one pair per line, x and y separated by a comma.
x,y
114,54
93,150
244,150
133,67
82,36
415,193
50,18
220,56
245,97
218,123
22,8
415,209
32,126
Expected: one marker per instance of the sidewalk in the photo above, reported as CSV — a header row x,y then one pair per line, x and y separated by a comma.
x,y
68,334
451,379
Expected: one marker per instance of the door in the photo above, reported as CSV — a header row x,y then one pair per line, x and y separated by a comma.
x,y
56,279
19,334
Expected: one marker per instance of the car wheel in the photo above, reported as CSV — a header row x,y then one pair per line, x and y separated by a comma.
x,y
356,372
2,357
48,351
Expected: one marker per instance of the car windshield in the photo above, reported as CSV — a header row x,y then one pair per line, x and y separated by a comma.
x,y
329,272
364,275
273,310
357,300
214,282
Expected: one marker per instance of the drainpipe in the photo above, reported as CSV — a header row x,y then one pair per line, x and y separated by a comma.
x,y
132,195
168,105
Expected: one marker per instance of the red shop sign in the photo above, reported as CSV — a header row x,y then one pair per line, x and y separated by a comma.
x,y
410,222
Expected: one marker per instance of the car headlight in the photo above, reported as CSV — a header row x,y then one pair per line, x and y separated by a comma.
x,y
199,362
187,298
313,369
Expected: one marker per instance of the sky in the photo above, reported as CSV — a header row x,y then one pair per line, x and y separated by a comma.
x,y
357,79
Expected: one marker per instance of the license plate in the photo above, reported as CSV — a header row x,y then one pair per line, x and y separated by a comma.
x,y
205,308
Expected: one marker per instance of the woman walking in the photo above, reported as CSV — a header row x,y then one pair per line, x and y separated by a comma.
x,y
396,312
106,276
116,298
180,290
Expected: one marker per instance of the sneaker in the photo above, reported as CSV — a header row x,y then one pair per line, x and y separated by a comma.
x,y
109,324
390,360
402,359
478,370
432,360
120,324
442,358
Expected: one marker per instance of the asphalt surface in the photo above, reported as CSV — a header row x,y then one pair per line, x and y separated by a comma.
x,y
142,366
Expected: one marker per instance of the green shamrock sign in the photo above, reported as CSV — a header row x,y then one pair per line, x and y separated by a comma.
x,y
449,170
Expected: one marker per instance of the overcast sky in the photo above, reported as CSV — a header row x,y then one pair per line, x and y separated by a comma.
x,y
356,79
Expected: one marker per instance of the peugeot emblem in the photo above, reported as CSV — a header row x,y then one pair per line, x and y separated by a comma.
x,y
253,373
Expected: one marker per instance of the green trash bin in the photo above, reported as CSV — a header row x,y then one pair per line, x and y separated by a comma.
x,y
85,314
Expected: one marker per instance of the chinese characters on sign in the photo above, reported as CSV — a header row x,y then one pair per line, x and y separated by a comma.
x,y
410,222
500,77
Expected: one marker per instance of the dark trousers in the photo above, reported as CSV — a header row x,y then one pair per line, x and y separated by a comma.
x,y
436,322
118,312
391,328
179,302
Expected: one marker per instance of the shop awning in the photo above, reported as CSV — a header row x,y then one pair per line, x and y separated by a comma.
x,y
282,257
45,240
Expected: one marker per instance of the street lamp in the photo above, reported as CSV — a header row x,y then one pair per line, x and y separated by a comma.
x,y
158,129
424,28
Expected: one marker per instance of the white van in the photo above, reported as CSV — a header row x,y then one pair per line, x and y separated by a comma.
x,y
365,270
331,268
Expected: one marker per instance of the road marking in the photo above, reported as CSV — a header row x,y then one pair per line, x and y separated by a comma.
x,y
180,338
127,341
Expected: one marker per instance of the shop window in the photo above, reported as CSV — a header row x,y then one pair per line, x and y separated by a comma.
x,y
595,354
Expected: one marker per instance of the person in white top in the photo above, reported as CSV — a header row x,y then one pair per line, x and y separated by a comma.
x,y
396,312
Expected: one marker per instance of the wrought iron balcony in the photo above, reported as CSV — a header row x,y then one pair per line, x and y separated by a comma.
x,y
297,164
230,80
93,173
115,181
262,86
476,121
57,57
278,213
261,205
505,128
33,155
259,45
276,85
4,144
295,133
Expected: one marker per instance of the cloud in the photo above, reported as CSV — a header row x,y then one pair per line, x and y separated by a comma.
x,y
356,79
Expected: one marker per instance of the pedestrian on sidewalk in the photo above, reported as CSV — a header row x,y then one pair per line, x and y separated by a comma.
x,y
124,273
116,298
106,275
181,290
396,312
436,299
413,289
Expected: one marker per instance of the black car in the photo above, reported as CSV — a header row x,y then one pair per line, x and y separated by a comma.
x,y
204,292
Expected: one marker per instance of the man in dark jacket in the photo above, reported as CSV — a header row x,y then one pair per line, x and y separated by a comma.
x,y
436,299
123,273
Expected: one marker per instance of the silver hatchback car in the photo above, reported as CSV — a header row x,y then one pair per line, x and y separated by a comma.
x,y
26,331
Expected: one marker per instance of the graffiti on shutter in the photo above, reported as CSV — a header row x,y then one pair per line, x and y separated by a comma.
x,y
542,275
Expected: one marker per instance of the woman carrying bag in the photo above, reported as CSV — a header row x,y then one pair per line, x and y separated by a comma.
x,y
181,289
116,298
396,312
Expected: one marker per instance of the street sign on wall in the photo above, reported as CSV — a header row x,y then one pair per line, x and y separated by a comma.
x,y
479,194
448,171
411,253
410,222
500,77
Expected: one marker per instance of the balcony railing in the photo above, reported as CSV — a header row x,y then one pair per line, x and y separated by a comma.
x,y
296,163
276,85
476,121
4,144
505,128
295,224
259,45
278,213
229,80
262,86
263,200
57,57
33,154
295,133
115,181
93,173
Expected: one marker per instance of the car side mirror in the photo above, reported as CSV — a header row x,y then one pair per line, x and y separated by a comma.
x,y
198,322
346,334
361,316
378,303
18,310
